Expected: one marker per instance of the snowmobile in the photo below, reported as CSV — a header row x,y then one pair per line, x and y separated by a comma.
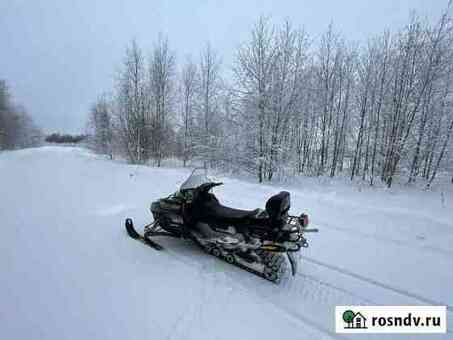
x,y
255,240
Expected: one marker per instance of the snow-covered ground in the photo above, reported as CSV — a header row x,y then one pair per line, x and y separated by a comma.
x,y
69,271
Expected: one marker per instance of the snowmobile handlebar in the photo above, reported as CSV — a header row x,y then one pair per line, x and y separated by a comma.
x,y
311,230
208,186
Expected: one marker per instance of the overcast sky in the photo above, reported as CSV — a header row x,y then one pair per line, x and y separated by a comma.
x,y
59,55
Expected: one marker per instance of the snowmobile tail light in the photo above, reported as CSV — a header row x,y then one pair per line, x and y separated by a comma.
x,y
304,221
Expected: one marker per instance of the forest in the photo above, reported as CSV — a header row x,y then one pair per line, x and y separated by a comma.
x,y
289,104
293,105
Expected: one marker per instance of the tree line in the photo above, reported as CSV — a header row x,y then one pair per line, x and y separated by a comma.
x,y
64,138
17,129
381,111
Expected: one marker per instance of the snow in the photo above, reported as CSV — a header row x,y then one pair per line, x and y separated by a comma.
x,y
69,271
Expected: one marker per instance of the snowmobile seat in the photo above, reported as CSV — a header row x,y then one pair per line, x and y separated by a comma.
x,y
232,215
211,211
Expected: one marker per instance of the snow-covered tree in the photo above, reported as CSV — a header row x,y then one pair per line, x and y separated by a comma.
x,y
162,96
100,125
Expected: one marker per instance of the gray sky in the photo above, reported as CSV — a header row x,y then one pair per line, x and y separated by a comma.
x,y
59,55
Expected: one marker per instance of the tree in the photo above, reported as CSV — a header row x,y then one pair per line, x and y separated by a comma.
x,y
208,97
253,71
189,86
132,118
17,129
161,73
101,126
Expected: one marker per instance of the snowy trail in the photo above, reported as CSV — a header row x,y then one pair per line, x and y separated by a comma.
x,y
343,271
210,267
448,252
70,272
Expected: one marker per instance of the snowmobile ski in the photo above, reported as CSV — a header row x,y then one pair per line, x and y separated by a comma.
x,y
136,236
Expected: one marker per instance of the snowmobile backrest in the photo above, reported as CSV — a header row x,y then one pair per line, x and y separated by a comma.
x,y
277,207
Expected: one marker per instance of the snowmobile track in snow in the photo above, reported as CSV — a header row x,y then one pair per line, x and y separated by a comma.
x,y
336,288
401,243
377,283
308,322
286,311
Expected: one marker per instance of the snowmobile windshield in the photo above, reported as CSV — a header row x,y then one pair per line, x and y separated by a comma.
x,y
196,178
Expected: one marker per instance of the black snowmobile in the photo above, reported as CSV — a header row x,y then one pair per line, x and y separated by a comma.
x,y
255,240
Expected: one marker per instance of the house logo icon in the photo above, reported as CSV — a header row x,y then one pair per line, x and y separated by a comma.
x,y
354,320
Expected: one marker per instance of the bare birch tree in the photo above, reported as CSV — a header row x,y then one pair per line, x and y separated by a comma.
x,y
161,87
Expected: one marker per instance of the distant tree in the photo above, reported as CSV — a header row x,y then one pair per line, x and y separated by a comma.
x,y
100,124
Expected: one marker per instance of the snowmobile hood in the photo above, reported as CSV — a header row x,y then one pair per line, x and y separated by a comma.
x,y
196,178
